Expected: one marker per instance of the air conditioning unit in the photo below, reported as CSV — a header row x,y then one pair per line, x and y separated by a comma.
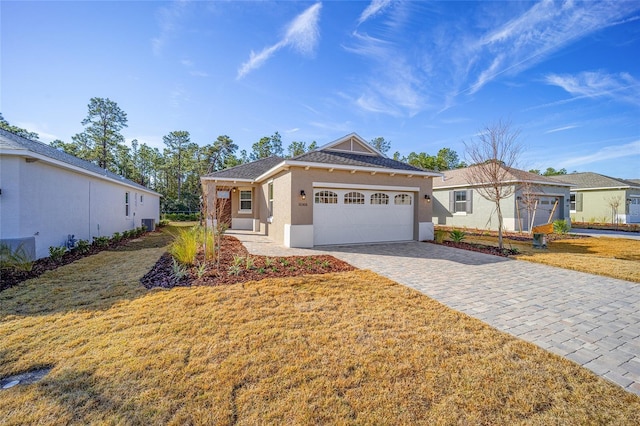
x,y
149,224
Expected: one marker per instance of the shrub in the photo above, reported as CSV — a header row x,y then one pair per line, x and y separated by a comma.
x,y
178,270
163,222
234,270
101,241
83,246
56,253
560,226
439,235
457,235
185,246
17,259
116,237
181,217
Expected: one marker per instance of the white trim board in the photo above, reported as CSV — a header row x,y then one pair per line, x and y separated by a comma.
x,y
335,185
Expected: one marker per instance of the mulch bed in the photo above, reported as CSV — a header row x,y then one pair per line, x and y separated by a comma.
x,y
259,268
505,252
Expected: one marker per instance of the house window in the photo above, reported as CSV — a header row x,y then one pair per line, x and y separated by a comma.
x,y
379,198
126,204
354,198
246,200
402,199
461,201
141,199
575,200
270,190
326,197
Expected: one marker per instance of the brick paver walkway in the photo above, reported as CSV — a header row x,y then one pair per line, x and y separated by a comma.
x,y
589,319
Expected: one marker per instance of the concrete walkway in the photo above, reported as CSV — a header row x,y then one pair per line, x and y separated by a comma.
x,y
589,319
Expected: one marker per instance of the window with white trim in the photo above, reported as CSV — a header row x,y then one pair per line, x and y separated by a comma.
x,y
246,200
354,197
126,204
402,199
379,198
326,197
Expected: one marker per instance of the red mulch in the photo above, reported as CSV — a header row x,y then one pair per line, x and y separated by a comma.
x,y
162,274
505,252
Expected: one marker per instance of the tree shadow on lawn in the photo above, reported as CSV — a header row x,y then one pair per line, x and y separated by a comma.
x,y
416,250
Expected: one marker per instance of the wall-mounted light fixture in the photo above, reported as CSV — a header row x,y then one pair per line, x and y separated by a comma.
x,y
234,189
427,197
303,195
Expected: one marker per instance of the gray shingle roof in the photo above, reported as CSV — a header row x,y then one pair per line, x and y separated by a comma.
x,y
588,180
353,159
10,141
458,177
249,170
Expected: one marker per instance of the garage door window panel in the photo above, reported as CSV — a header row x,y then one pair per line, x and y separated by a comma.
x,y
379,199
326,197
402,199
354,198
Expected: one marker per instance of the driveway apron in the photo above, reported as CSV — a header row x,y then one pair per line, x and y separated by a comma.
x,y
591,320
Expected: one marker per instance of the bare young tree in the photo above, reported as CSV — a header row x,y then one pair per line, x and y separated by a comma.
x,y
492,155
614,203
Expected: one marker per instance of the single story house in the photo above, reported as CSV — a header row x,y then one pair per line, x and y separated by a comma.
x,y
343,192
47,195
600,198
534,200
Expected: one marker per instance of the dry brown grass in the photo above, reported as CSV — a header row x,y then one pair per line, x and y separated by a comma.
x,y
611,257
346,348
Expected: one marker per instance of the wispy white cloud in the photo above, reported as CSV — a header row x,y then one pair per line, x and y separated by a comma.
x,y
169,18
393,85
191,66
607,153
621,87
532,37
302,36
43,131
561,129
374,8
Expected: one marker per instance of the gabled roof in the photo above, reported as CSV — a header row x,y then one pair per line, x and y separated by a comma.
x,y
350,152
458,178
354,159
590,180
13,144
247,171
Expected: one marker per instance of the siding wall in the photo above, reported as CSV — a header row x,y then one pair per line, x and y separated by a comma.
x,y
596,208
484,214
50,203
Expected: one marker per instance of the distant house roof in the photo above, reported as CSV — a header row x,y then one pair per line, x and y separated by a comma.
x,y
11,143
248,171
350,152
590,180
458,178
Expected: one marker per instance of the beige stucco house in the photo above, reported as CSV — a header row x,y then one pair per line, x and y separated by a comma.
x,y
534,200
600,198
344,192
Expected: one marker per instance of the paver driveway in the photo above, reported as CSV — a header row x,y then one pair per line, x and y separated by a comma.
x,y
589,319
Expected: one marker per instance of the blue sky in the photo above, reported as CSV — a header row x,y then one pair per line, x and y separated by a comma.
x,y
424,75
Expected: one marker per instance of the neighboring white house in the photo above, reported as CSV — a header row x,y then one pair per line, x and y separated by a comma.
x,y
535,200
47,195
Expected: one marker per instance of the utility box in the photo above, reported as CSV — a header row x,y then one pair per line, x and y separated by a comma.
x,y
540,241
149,224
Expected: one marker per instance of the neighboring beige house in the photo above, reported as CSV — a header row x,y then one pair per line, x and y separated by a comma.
x,y
343,192
600,198
535,200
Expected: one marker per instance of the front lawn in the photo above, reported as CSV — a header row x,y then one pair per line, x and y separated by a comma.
x,y
342,348
611,257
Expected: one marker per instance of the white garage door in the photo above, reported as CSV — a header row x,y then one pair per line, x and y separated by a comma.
x,y
342,216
